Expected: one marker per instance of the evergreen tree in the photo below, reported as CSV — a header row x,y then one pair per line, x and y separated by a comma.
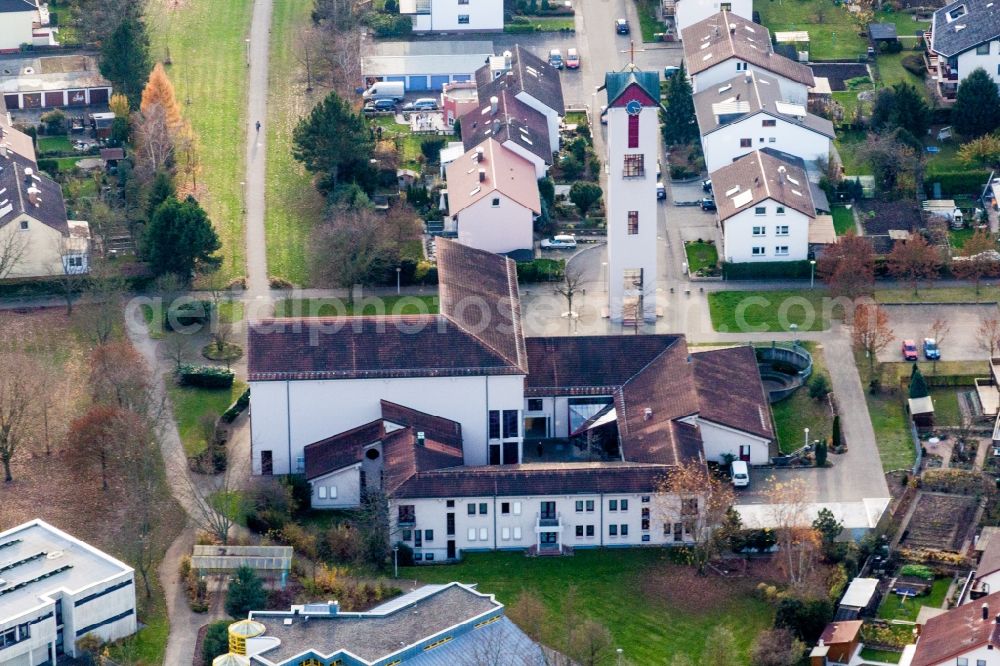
x,y
835,438
125,58
977,105
821,451
246,593
918,387
679,123
910,110
334,142
179,239
161,189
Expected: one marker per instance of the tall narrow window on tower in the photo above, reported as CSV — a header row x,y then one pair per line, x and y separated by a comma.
x,y
633,131
633,222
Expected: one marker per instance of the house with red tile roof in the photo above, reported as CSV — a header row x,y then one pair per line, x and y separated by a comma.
x,y
967,635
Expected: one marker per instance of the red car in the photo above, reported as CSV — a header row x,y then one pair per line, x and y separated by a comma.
x,y
909,350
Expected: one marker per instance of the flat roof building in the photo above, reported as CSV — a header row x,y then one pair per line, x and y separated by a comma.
x,y
53,81
55,589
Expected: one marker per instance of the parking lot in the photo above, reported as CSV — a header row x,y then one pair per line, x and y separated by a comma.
x,y
961,343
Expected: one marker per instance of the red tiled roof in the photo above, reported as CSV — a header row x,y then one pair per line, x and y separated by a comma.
x,y
730,392
989,561
339,451
958,631
841,632
503,170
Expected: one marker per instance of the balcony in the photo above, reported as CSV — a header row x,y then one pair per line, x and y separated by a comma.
x,y
415,7
548,523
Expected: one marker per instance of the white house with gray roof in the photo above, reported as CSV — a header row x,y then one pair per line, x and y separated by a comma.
x,y
749,113
56,589
965,35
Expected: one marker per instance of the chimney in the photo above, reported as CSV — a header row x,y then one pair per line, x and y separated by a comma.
x,y
732,28
997,619
647,414
3,150
494,105
986,612
482,175
747,77
33,193
480,154
420,438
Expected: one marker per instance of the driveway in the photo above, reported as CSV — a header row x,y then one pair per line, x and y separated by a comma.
x,y
962,340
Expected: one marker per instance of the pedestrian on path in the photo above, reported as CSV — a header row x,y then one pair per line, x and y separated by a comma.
x,y
258,127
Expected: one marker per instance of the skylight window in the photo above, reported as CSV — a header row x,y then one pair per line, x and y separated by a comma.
x,y
733,190
726,87
957,13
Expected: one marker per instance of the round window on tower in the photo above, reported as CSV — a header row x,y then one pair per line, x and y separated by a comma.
x,y
372,454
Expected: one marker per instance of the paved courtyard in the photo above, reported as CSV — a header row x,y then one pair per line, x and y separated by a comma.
x,y
913,321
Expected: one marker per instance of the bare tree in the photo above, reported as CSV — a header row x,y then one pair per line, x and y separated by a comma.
x,y
938,332
589,643
101,317
691,495
103,436
798,542
177,348
977,259
848,266
306,54
216,507
914,260
776,647
152,139
358,239
70,274
19,390
989,336
870,331
572,279
720,646
13,245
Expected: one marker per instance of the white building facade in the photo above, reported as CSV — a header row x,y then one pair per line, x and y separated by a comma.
x,y
17,19
454,16
689,12
633,147
718,74
965,36
768,231
730,142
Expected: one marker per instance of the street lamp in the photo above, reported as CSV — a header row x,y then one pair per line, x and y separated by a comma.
x,y
812,273
243,190
619,651
398,271
395,560
604,275
807,436
248,51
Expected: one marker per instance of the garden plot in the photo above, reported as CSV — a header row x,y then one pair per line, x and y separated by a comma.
x,y
838,73
939,522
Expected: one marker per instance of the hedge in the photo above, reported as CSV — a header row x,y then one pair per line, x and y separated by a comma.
x,y
540,270
189,313
206,376
956,182
765,270
237,407
954,380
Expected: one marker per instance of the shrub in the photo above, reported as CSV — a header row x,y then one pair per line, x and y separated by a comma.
x,y
914,64
892,47
540,270
821,451
50,167
763,270
956,182
206,376
216,641
390,25
245,593
819,386
340,544
237,407
54,121
804,618
405,555
431,148
917,570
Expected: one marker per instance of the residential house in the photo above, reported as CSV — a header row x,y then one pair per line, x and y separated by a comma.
x,y
967,635
987,575
23,22
434,624
964,35
457,99
686,13
766,208
493,199
56,589
839,643
451,16
36,238
726,45
482,439
515,125
533,82
633,113
748,113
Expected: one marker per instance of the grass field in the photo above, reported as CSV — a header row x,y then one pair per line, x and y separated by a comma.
x,y
940,295
330,307
799,411
848,143
654,609
294,207
886,409
54,144
832,33
649,25
191,404
762,311
881,655
891,72
957,237
409,143
205,42
843,219
701,255
894,607
946,410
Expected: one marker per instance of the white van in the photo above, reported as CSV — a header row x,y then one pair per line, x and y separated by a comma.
x,y
385,90
740,473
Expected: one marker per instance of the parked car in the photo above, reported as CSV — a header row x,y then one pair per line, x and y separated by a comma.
x,y
621,26
604,114
422,104
708,203
669,71
562,242
379,106
909,350
661,192
739,472
931,350
572,59
706,185
658,170
555,58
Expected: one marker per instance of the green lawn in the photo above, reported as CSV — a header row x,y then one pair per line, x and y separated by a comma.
x,y
939,295
294,207
54,144
906,24
191,404
148,645
630,591
957,237
843,219
552,23
649,25
205,39
331,307
797,412
895,607
409,143
888,415
762,311
832,33
891,72
701,255
848,144
946,411
881,655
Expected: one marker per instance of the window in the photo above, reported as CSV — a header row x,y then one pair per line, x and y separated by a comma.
x,y
535,405
496,202
590,530
962,661
633,222
760,210
759,231
678,531
980,662
472,509
579,506
75,262
760,140
482,508
450,524
450,504
407,513
633,131
428,535
579,531
746,143
645,500
472,534
417,557
983,49
645,520
418,539
741,67
505,508
428,557
517,508
780,210
757,251
463,19
333,492
768,122
725,6
635,166
24,225
781,230
612,505
956,13
624,529
463,2
781,251
624,505
494,425
505,534
483,534
321,492
689,507
517,534
612,530
511,421
590,505
772,140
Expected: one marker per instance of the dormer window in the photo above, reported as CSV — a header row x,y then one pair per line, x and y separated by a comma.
x,y
956,13
24,225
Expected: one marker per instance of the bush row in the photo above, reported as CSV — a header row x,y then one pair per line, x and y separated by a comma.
x,y
540,270
237,407
764,270
956,182
205,376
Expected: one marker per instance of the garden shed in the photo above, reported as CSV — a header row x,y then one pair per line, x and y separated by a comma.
x,y
271,563
882,32
922,411
860,598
